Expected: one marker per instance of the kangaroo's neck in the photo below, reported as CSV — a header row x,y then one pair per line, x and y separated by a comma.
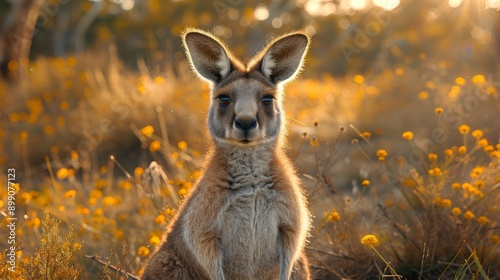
x,y
246,166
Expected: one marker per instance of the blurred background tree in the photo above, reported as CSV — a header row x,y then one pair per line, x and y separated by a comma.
x,y
349,35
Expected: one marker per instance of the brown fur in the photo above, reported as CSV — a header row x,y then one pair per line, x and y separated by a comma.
x,y
246,217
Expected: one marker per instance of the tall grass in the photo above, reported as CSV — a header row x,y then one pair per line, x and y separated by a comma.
x,y
111,152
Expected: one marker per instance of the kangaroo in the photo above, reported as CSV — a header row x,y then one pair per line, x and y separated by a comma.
x,y
246,217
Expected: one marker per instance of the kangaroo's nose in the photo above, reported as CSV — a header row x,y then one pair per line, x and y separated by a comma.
x,y
246,123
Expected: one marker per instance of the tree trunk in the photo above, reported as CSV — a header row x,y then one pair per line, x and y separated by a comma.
x,y
16,33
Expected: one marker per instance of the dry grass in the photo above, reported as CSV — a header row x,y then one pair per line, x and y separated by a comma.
x,y
59,127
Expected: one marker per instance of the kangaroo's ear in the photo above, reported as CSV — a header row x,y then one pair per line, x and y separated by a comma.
x,y
207,55
283,58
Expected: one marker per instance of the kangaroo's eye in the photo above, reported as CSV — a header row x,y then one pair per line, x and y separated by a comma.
x,y
224,100
267,100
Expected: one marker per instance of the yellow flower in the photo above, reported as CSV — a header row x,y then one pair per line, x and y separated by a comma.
x,y
423,95
381,153
482,220
358,79
366,135
448,152
491,90
182,145
479,184
468,215
477,134
169,212
460,81
432,156
482,142
160,219
70,194
369,240
462,150
155,146
33,223
62,173
408,135
143,251
182,192
314,142
445,202
365,183
147,131
456,211
332,216
464,129
436,172
138,171
108,201
154,240
495,238
456,186
478,79
438,110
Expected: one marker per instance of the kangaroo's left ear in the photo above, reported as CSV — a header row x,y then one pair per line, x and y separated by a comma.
x,y
283,58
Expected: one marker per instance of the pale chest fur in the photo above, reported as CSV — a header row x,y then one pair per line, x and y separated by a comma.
x,y
249,219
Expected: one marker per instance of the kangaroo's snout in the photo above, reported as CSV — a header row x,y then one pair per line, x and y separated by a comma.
x,y
245,123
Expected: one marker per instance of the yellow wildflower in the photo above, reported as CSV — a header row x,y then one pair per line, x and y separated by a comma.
x,y
314,142
408,135
445,202
369,240
436,172
468,215
432,156
381,154
464,129
332,216
462,150
456,186
182,192
147,131
448,152
108,201
62,173
479,184
482,142
365,183
478,79
143,251
155,146
460,81
138,171
423,95
482,220
366,135
154,240
33,223
70,194
478,134
495,238
160,219
182,145
439,110
456,211
359,79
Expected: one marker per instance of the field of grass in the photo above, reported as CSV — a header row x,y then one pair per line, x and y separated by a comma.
x,y
401,167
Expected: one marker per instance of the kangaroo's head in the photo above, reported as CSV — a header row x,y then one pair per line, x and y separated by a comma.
x,y
246,98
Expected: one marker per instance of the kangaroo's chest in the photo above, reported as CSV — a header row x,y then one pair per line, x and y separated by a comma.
x,y
249,234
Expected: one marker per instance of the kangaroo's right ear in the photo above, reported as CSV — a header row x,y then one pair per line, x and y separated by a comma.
x,y
207,55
